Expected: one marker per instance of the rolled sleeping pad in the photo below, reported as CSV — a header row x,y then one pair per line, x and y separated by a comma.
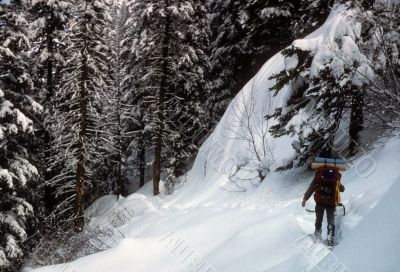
x,y
316,165
329,160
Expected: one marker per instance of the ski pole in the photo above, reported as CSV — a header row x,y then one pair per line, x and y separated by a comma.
x,y
344,208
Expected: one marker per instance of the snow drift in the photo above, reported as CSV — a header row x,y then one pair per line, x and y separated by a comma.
x,y
224,219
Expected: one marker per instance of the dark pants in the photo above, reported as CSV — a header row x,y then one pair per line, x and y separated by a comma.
x,y
330,214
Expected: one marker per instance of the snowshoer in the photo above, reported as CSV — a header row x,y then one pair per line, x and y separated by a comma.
x,y
326,187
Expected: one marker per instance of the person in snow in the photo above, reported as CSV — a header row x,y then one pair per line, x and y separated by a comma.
x,y
326,187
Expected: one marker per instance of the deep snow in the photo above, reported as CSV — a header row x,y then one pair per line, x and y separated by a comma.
x,y
220,221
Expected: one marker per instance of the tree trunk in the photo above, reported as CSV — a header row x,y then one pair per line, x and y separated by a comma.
x,y
49,198
161,94
120,179
119,184
80,193
356,120
50,49
121,156
50,201
142,155
80,172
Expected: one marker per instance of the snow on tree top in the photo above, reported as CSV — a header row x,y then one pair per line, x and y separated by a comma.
x,y
6,177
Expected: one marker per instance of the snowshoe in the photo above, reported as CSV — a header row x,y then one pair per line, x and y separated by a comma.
x,y
330,244
317,236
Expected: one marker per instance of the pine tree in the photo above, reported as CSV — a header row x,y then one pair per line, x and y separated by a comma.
x,y
186,116
319,97
17,107
159,99
78,111
245,34
225,53
48,22
175,86
380,42
116,111
134,88
267,28
308,15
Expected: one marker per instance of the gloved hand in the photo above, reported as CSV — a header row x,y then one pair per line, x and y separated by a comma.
x,y
303,204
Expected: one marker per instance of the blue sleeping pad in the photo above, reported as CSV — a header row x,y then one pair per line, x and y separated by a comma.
x,y
329,160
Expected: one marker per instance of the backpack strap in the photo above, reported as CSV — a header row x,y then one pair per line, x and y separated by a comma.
x,y
338,199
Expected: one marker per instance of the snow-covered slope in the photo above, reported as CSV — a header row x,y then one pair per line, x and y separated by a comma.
x,y
223,219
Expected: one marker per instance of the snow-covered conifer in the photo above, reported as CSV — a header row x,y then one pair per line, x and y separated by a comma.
x,y
116,111
77,118
47,30
171,64
244,34
17,107
322,85
380,42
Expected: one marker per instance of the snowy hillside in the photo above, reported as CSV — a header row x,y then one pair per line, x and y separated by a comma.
x,y
224,219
